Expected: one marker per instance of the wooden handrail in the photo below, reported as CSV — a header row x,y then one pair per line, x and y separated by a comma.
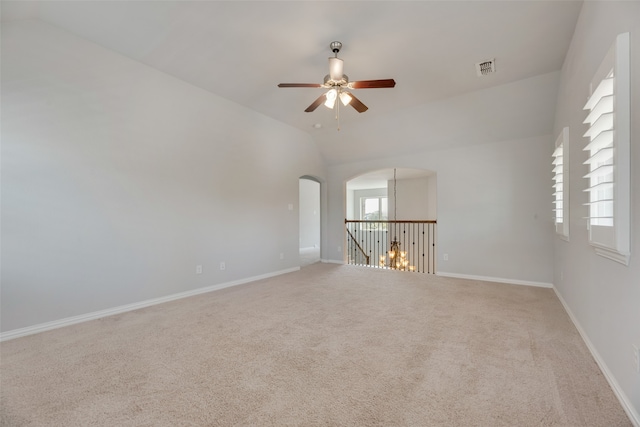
x,y
358,245
381,239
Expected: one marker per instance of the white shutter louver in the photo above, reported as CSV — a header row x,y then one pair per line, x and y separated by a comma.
x,y
560,184
608,134
601,150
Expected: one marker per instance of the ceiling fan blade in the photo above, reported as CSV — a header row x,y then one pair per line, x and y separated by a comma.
x,y
316,103
299,85
357,104
373,84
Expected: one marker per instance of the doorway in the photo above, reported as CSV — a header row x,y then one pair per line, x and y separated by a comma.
x,y
309,243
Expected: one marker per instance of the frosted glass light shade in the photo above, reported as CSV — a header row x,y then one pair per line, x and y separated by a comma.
x,y
345,98
335,69
331,98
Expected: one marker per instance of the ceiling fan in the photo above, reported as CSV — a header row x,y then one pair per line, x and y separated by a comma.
x,y
339,85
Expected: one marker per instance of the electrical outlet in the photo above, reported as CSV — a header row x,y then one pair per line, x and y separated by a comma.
x,y
339,248
445,257
198,269
281,255
222,265
636,357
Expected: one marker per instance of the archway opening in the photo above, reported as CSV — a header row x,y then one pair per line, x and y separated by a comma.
x,y
309,230
392,213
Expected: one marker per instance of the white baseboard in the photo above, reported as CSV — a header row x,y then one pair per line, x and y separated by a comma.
x,y
30,330
495,279
633,415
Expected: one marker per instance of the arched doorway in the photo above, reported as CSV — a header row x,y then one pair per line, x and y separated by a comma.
x,y
309,211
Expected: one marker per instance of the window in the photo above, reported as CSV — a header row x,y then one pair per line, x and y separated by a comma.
x,y
561,184
609,154
374,208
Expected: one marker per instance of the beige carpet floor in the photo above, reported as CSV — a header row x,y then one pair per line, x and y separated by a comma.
x,y
309,256
330,345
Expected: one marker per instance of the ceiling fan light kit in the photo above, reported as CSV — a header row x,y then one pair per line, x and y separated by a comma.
x,y
345,98
338,84
331,98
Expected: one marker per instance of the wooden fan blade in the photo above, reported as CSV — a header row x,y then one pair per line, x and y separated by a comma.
x,y
373,84
357,104
299,85
316,103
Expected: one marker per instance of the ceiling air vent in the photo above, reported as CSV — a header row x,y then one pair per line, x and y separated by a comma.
x,y
486,67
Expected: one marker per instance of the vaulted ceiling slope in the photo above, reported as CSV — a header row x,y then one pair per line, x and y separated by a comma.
x,y
241,50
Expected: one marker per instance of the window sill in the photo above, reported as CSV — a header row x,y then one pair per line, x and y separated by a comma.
x,y
612,254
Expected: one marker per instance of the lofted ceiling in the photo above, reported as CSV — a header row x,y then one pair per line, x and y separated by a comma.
x,y
241,50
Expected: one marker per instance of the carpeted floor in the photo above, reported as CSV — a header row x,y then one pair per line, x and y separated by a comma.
x,y
309,256
330,345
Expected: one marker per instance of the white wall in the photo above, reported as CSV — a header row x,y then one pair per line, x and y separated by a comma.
x,y
309,213
500,113
602,295
416,198
117,180
350,205
493,199
494,215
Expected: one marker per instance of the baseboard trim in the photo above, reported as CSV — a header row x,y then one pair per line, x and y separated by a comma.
x,y
43,327
633,415
495,279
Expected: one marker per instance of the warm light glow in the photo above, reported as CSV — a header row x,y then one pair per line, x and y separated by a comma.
x,y
346,98
335,69
331,98
392,254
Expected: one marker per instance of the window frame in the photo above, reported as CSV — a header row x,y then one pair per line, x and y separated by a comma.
x,y
610,234
367,226
561,184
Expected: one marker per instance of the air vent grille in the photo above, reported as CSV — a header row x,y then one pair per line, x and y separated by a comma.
x,y
486,67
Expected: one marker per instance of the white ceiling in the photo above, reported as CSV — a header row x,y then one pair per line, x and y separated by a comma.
x,y
241,50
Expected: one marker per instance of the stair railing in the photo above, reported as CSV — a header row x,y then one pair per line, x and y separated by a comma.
x,y
399,245
356,249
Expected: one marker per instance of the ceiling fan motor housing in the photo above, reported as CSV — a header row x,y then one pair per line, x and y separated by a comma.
x,y
329,82
335,65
